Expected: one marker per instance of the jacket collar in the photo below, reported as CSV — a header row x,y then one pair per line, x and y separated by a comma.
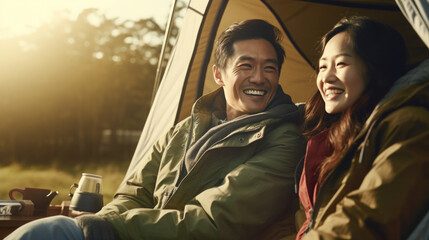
x,y
204,136
280,107
215,101
403,92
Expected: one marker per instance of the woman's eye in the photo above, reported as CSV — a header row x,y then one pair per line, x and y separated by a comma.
x,y
341,64
322,67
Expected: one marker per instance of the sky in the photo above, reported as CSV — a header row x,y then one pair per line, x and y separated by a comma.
x,y
21,16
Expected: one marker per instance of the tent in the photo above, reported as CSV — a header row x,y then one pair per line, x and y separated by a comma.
x,y
303,22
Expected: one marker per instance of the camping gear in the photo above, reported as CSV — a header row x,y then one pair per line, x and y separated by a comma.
x,y
88,196
40,197
9,207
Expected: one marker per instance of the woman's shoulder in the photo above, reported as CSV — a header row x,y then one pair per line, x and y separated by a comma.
x,y
404,124
409,104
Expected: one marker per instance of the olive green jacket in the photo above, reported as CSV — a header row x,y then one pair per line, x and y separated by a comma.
x,y
380,188
236,188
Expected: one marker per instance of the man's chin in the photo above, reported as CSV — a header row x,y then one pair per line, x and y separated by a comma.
x,y
255,110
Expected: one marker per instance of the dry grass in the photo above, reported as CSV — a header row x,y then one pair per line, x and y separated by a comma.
x,y
16,176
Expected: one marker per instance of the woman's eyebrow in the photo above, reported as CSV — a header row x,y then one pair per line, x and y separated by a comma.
x,y
337,56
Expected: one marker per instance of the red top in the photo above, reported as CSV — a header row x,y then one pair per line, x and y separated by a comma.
x,y
318,148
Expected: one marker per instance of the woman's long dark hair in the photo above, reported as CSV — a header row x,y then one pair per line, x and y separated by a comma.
x,y
383,52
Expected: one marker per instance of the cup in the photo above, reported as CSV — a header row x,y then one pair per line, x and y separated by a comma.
x,y
40,197
88,196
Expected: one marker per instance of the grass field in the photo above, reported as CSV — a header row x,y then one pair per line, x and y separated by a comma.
x,y
57,179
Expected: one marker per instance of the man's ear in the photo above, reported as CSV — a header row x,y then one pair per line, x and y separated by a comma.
x,y
217,75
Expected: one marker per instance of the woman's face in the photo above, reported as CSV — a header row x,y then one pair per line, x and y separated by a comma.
x,y
342,74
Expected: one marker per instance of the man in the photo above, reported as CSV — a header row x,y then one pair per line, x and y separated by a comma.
x,y
226,172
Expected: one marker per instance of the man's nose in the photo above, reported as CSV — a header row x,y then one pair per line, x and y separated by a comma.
x,y
258,76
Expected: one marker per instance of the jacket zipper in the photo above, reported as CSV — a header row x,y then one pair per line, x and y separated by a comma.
x,y
298,172
196,163
310,224
316,205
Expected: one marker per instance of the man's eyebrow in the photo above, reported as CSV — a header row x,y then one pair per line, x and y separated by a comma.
x,y
337,56
272,60
248,58
245,58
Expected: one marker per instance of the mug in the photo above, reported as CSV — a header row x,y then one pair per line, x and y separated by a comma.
x,y
88,196
40,197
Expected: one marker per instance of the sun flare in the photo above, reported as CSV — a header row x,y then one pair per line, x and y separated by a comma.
x,y
19,17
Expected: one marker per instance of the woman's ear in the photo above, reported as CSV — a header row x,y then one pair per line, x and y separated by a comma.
x,y
217,75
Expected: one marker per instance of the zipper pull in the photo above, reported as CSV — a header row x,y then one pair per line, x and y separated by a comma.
x,y
169,195
310,225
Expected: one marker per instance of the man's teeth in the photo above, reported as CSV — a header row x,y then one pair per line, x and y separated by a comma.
x,y
255,92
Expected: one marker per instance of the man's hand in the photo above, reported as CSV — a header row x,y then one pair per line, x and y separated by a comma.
x,y
74,213
95,227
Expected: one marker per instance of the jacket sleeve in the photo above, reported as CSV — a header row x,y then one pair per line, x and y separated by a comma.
x,y
137,191
247,199
392,197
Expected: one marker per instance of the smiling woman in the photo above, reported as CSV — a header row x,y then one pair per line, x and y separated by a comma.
x,y
364,147
341,78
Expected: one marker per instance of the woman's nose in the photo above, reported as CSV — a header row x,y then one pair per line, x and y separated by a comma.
x,y
329,75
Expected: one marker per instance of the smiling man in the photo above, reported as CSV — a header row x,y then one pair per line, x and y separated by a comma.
x,y
226,172
249,78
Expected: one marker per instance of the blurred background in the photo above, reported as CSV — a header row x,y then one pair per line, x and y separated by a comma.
x,y
76,82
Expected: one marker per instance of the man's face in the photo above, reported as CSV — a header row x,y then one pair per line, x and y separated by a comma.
x,y
250,77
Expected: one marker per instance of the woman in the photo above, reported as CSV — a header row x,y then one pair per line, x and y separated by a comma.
x,y
365,173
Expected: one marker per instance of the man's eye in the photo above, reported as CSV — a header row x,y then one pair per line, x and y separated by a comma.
x,y
245,65
270,69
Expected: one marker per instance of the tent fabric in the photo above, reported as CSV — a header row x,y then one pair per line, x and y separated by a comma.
x,y
192,90
296,73
303,22
417,13
163,111
307,21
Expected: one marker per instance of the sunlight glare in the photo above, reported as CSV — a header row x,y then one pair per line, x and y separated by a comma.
x,y
19,17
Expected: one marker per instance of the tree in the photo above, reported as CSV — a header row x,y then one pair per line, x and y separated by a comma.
x,y
66,86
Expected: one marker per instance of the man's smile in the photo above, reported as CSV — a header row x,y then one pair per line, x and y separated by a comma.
x,y
254,92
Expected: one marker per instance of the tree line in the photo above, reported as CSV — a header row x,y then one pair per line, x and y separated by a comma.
x,y
77,90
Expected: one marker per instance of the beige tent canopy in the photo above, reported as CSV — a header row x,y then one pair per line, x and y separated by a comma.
x,y
303,22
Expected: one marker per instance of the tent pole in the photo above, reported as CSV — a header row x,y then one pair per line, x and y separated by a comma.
x,y
161,56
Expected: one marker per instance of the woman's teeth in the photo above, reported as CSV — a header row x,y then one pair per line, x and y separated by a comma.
x,y
329,92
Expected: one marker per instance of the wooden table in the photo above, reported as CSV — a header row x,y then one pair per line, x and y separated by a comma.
x,y
9,223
